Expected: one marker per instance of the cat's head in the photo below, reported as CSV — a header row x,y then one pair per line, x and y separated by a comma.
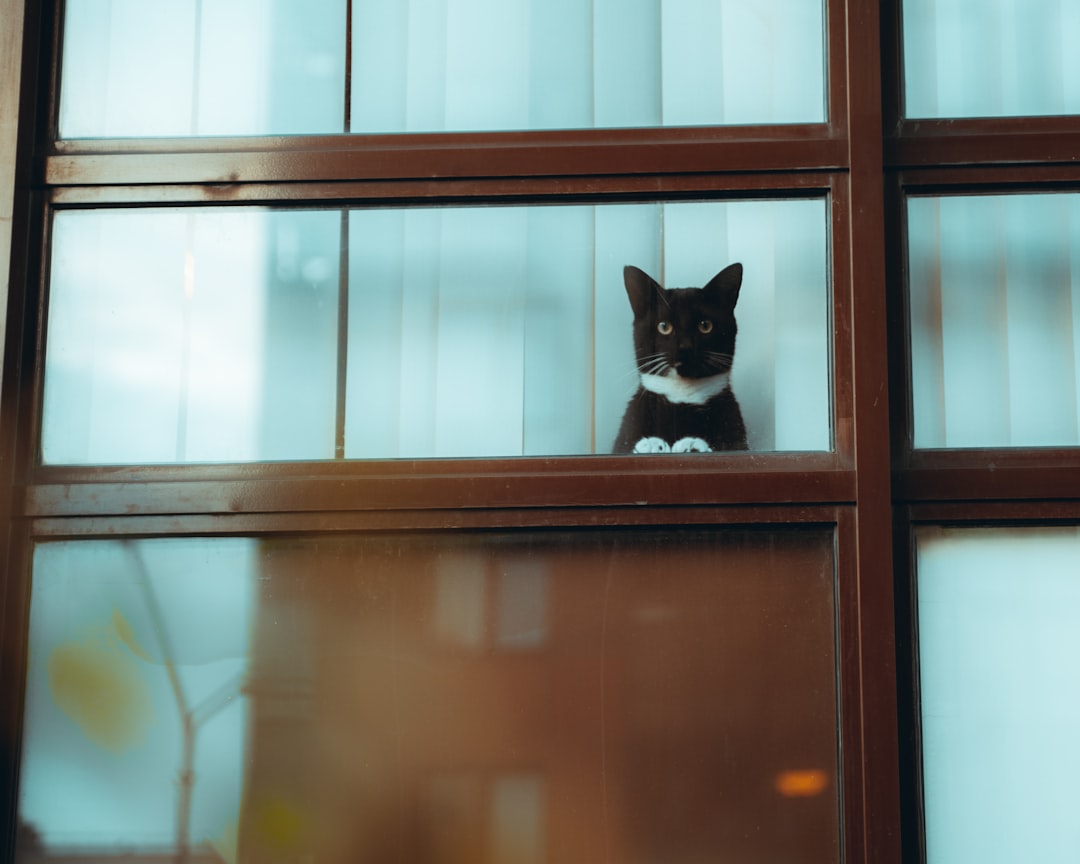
x,y
686,333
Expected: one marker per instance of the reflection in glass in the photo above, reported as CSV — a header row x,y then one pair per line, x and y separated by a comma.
x,y
999,653
212,335
187,336
672,685
991,58
523,64
994,296
133,68
138,696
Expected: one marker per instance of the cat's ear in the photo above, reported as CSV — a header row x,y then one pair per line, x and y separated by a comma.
x,y
642,290
725,285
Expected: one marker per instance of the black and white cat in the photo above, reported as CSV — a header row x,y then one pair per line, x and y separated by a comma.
x,y
684,339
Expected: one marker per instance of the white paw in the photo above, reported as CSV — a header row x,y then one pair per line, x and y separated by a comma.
x,y
652,445
690,445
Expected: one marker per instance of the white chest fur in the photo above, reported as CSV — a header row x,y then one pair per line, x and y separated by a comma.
x,y
690,391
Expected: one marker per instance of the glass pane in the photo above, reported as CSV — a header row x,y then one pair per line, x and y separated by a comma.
x,y
188,67
525,64
343,703
180,336
999,655
991,58
994,301
188,336
261,67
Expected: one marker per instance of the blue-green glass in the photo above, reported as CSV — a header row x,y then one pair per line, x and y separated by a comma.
x,y
191,336
179,336
133,68
522,64
994,301
991,58
999,658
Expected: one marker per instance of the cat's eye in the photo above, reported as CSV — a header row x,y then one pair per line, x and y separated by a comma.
x,y
664,328
705,326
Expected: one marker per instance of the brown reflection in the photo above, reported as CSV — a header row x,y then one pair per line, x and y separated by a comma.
x,y
558,698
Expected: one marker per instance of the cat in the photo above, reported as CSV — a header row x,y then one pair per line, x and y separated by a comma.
x,y
684,340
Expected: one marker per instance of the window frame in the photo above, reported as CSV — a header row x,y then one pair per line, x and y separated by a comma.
x,y
848,488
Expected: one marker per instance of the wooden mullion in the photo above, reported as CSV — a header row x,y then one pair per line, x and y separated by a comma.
x,y
506,155
913,833
569,190
1005,141
665,484
454,519
880,812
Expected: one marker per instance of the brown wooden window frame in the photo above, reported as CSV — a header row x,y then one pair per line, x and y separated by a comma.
x,y
847,488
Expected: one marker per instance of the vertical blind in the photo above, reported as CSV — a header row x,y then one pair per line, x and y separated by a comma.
x,y
259,67
995,320
212,335
991,58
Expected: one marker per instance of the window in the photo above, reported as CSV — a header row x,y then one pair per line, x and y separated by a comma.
x,y
313,365
219,337
997,610
456,685
983,295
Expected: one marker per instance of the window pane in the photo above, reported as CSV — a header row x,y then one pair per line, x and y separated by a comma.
x,y
991,58
999,654
188,67
682,687
188,336
527,64
994,301
259,67
181,336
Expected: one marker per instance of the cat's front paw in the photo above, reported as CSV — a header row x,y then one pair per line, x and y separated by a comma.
x,y
690,445
652,444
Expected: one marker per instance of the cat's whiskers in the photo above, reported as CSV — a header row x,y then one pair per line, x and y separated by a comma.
x,y
720,361
653,364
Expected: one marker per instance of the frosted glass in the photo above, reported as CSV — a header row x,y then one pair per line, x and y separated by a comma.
x,y
133,68
994,299
370,698
991,58
507,331
191,336
436,65
999,652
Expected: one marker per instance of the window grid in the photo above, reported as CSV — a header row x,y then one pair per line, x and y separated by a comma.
x,y
874,487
